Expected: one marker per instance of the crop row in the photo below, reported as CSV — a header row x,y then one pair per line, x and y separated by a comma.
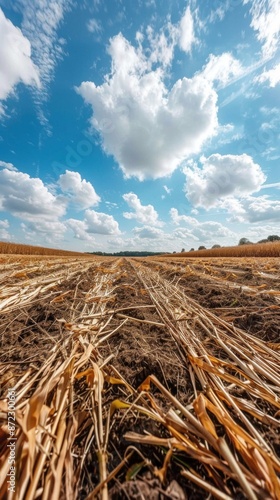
x,y
89,326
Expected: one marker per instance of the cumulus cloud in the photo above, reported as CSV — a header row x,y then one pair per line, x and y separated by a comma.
x,y
266,23
16,64
48,230
199,231
9,166
221,177
4,224
145,214
80,191
178,219
186,31
79,228
148,128
100,223
148,232
271,76
4,234
93,223
253,209
27,197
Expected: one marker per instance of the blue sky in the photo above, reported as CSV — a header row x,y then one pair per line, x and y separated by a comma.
x,y
142,125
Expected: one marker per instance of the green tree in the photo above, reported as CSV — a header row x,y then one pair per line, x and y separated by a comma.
x,y
273,237
244,241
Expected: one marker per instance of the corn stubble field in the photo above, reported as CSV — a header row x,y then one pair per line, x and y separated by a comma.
x,y
152,378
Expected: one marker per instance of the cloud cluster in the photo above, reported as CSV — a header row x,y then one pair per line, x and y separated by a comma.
x,y
148,232
253,209
186,31
16,64
271,76
222,176
94,223
222,69
40,24
27,197
145,214
100,223
148,128
9,166
4,234
205,232
80,191
44,211
266,23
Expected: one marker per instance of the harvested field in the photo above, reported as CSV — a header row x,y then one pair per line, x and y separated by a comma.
x,y
140,378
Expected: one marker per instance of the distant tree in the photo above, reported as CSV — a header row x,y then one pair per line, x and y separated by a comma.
x,y
201,247
273,237
192,250
244,241
183,250
216,246
174,251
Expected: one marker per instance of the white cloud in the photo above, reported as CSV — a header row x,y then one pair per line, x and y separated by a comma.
x,y
8,166
148,232
183,234
146,127
16,64
41,23
199,231
222,69
100,223
46,229
27,197
4,234
4,224
79,228
80,191
266,22
271,76
94,26
167,189
254,209
145,214
162,44
177,219
219,13
186,31
221,177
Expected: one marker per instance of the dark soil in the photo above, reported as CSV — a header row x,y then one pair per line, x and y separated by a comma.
x,y
141,349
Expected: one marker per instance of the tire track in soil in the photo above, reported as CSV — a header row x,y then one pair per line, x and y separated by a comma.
x,y
140,350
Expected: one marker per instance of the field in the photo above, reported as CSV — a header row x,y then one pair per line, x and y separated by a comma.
x,y
152,378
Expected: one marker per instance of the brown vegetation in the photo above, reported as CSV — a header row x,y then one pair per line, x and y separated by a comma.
x,y
141,378
18,248
254,250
